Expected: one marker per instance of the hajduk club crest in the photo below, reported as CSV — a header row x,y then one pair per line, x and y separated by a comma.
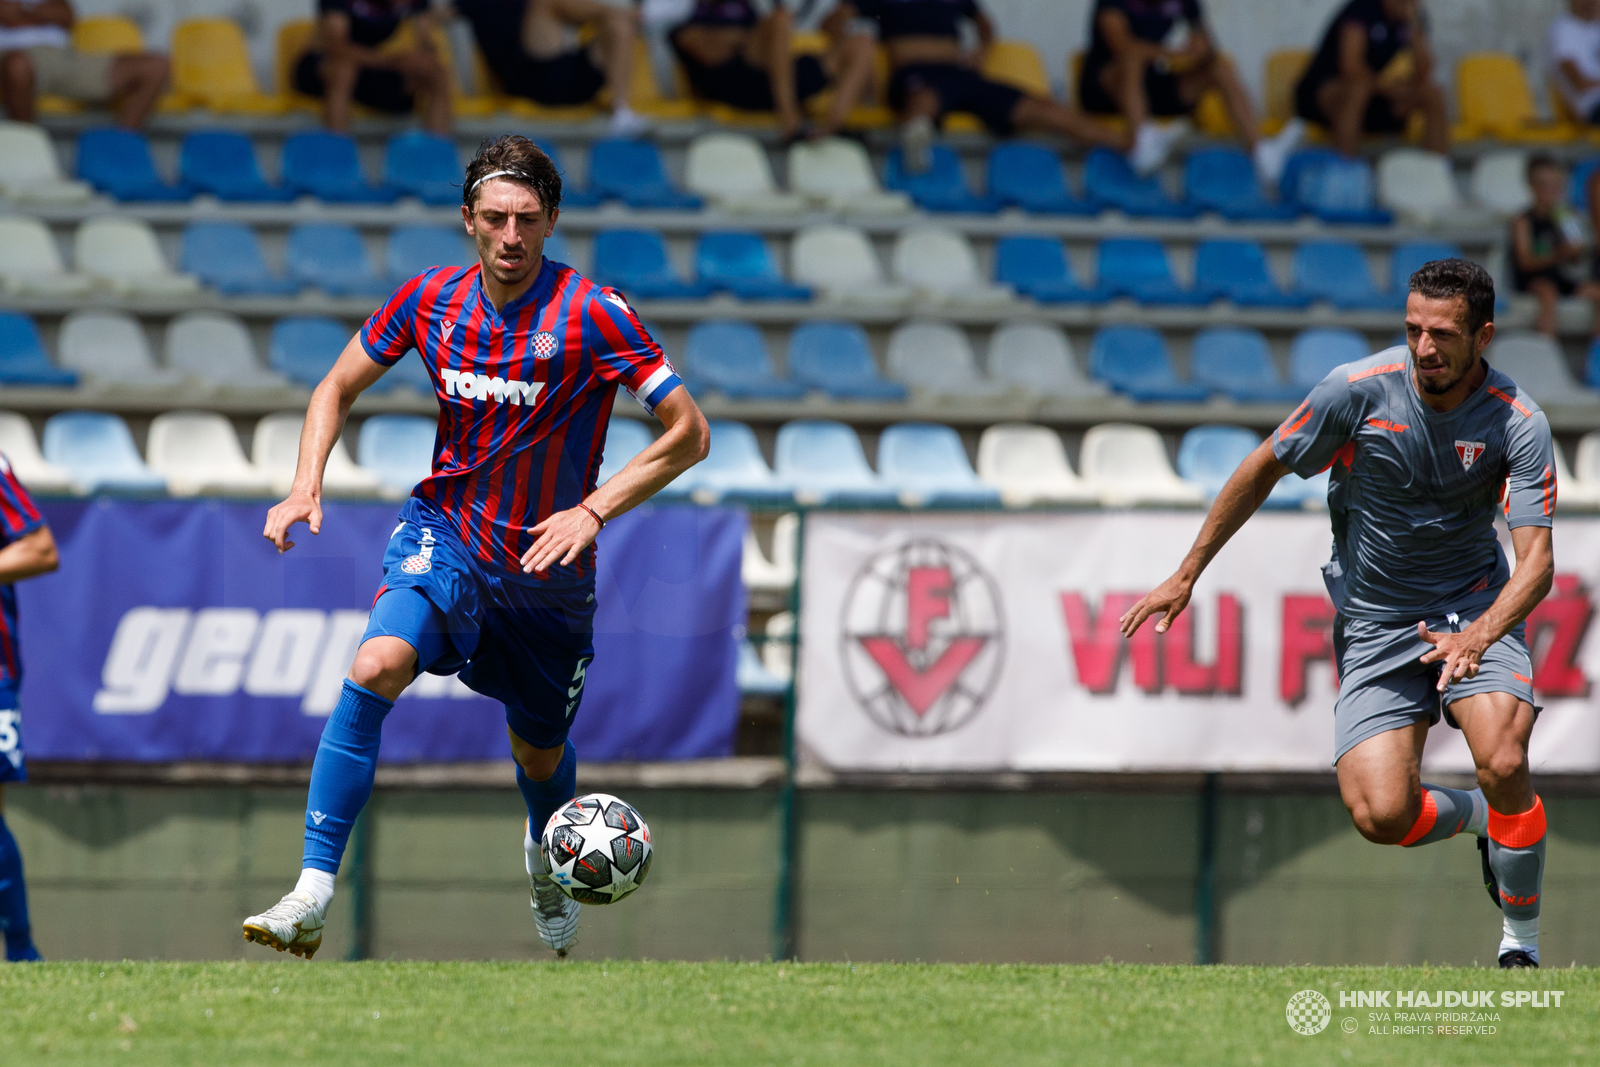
x,y
544,344
1469,451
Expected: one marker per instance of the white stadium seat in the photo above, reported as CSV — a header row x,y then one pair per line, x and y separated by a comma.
x,y
1419,186
216,349
1029,466
21,448
110,350
731,171
29,172
940,265
1500,183
125,253
839,262
276,450
935,360
1587,469
30,263
198,452
1038,357
836,173
776,652
775,575
1127,465
1573,493
1536,364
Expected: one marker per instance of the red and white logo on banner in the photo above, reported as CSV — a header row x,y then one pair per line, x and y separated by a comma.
x,y
1469,451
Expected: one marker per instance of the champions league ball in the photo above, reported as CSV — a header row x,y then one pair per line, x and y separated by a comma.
x,y
597,849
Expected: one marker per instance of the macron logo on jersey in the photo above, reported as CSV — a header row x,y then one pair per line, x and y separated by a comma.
x,y
445,330
471,386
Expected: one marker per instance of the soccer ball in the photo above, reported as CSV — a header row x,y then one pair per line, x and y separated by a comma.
x,y
597,848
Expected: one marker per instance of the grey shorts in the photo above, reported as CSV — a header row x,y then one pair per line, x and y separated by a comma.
x,y
1383,685
81,76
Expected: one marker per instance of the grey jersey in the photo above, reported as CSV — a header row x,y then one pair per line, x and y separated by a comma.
x,y
1413,492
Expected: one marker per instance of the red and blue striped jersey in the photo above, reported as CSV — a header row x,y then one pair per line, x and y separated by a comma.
x,y
18,518
525,397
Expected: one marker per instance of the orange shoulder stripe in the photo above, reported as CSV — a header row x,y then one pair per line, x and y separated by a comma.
x,y
1388,368
1513,401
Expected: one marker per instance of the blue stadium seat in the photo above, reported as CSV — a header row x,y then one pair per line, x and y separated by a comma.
x,y
1208,456
928,464
1134,360
398,449
632,171
1037,267
1030,176
304,348
635,261
1336,271
824,462
118,163
556,250
942,187
1315,353
331,257
1335,189
836,358
410,371
741,264
223,163
1579,190
1237,271
734,472
22,356
413,249
1411,255
625,438
571,194
1237,363
423,165
99,452
227,257
327,166
1224,180
1137,267
1591,365
1108,179
732,358
752,675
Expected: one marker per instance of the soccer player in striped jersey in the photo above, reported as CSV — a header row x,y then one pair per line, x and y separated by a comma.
x,y
490,572
26,549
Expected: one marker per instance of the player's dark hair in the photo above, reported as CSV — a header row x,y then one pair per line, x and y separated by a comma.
x,y
517,159
1444,279
1539,161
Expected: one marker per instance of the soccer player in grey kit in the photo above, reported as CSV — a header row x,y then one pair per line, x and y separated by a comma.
x,y
1424,442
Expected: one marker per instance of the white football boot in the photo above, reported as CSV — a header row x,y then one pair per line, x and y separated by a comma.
x,y
293,924
554,913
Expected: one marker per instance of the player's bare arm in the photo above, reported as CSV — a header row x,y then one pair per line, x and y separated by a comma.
x,y
561,537
354,372
1240,498
29,555
1535,570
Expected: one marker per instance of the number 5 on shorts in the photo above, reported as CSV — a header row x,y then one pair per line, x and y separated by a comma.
x,y
575,690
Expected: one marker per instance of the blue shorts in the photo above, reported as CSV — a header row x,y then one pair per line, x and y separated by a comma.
x,y
525,646
13,767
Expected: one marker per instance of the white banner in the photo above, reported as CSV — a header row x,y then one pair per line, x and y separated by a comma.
x,y
989,642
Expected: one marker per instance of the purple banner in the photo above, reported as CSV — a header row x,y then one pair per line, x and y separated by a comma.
x,y
174,631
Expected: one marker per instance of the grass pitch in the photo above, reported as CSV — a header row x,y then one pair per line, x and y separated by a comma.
x,y
729,1013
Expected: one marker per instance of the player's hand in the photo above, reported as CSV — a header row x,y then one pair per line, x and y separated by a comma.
x,y
559,539
299,506
1166,600
1460,653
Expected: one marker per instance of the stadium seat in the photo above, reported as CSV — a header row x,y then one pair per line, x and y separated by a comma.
x,y
635,262
415,248
98,451
1536,364
836,174
942,187
625,438
824,462
1237,271
1337,271
398,449
1578,192
1572,493
227,257
734,471
1494,99
22,356
835,358
1110,180
410,372
941,266
1036,266
1028,465
331,256
1237,363
30,263
840,263
1137,267
108,350
21,451
326,166
223,163
572,195
124,253
632,171
1315,354
216,349
1037,357
1500,184
1420,187
198,453
118,163
1030,176
556,250
777,651
1586,469
211,67
1208,456
1134,360
1127,466
753,677
1413,254
425,166
1335,189
304,348
741,264
927,463
1283,70
1224,180
936,360
730,171
731,357
774,573
29,172
275,452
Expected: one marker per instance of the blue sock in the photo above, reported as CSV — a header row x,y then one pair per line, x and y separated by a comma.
x,y
14,900
545,798
341,775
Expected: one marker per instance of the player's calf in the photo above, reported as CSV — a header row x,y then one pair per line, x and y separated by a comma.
x,y
1515,852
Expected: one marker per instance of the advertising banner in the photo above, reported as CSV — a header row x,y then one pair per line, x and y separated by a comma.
x,y
986,642
174,631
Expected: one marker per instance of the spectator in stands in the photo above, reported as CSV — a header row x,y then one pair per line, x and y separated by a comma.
x,y
36,56
1355,84
1156,58
738,55
1575,50
933,74
347,62
525,44
1547,244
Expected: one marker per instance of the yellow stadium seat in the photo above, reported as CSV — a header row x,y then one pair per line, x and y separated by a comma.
x,y
1283,72
211,65
107,33
1014,63
1494,100
293,38
647,98
476,105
